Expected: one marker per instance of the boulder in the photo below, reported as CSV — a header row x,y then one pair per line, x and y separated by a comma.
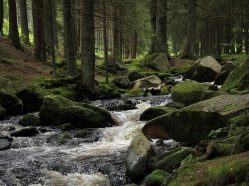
x,y
59,139
147,82
25,132
230,170
31,99
5,142
88,135
204,70
193,123
2,112
11,103
238,78
171,160
122,106
134,75
158,62
227,68
29,120
154,112
57,110
157,177
122,82
66,127
188,92
115,65
176,105
139,153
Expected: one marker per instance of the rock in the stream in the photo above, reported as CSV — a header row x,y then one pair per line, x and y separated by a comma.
x,y
126,105
238,78
205,70
147,82
193,123
11,103
157,61
154,112
224,73
58,110
122,82
5,142
59,139
89,135
25,132
29,120
134,75
32,100
156,178
176,105
66,127
171,160
139,153
188,92
2,112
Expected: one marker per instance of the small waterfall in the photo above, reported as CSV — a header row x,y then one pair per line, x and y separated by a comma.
x,y
84,164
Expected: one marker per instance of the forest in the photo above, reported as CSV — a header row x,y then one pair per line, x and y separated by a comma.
x,y
124,93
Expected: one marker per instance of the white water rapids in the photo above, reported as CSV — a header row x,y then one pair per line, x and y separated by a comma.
x,y
76,165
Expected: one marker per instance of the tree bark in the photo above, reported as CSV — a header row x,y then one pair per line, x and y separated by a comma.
x,y
68,38
153,16
134,45
190,48
1,16
116,35
24,20
88,46
39,38
105,41
48,22
13,28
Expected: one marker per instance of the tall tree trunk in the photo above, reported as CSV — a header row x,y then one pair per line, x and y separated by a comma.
x,y
24,21
88,46
39,38
105,41
13,29
47,10
190,48
68,38
54,12
153,16
116,35
51,27
134,45
1,16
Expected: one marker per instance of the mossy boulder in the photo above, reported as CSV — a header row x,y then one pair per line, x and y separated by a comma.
x,y
193,123
239,124
134,75
57,110
158,62
238,79
205,70
25,132
122,82
227,68
88,135
139,153
105,91
2,112
154,112
171,160
188,92
176,105
219,133
156,178
29,120
60,139
148,82
231,170
31,99
11,103
66,127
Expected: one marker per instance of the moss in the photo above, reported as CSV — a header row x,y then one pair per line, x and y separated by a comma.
x,y
10,83
29,120
157,177
165,90
134,93
172,160
154,112
59,110
220,171
219,133
238,79
188,92
66,127
239,124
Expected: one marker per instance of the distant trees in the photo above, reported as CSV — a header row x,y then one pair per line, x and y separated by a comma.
x,y
13,29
